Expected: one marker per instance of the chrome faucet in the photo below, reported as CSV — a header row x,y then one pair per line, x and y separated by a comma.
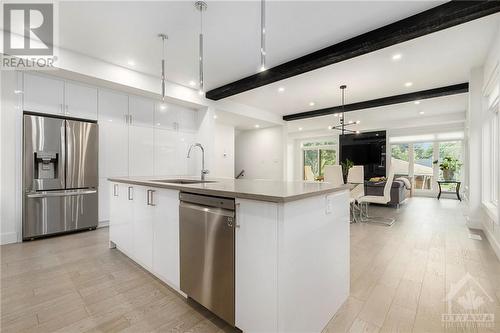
x,y
203,170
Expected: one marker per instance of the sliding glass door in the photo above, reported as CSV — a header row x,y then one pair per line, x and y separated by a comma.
x,y
419,162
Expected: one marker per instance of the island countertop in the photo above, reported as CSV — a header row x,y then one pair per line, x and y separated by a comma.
x,y
264,190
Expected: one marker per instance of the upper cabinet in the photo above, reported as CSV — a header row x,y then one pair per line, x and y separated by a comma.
x,y
113,107
171,116
80,101
55,96
141,111
43,94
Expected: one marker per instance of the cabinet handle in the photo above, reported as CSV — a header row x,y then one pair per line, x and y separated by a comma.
x,y
130,193
150,199
130,119
237,215
115,190
67,109
126,118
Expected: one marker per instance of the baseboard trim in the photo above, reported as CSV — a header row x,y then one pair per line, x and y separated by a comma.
x,y
8,238
493,242
103,224
473,223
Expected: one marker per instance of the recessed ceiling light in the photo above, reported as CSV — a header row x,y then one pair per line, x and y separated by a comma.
x,y
421,112
131,63
396,56
257,126
192,83
408,84
330,127
281,89
300,128
417,102
311,103
358,121
215,116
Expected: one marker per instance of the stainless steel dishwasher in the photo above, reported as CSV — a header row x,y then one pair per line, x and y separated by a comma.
x,y
207,234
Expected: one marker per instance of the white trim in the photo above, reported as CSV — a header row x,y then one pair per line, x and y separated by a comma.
x,y
491,210
493,242
8,238
103,224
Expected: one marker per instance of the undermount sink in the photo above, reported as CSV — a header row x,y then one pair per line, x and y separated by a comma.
x,y
183,181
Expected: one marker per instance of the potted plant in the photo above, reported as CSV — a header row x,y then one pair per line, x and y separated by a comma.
x,y
449,165
346,165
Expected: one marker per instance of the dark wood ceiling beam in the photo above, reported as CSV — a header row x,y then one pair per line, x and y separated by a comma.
x,y
435,19
397,99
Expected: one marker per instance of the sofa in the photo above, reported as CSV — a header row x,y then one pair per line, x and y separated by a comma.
x,y
398,191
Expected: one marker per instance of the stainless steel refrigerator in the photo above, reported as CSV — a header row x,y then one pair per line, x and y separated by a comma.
x,y
60,175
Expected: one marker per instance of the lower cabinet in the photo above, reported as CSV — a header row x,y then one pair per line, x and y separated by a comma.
x,y
144,224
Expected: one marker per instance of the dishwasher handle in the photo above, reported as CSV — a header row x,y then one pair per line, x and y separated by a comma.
x,y
208,210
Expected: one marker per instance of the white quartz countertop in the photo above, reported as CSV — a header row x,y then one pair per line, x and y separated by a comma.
x,y
264,190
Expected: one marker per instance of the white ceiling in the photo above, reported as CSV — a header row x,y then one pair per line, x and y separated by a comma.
x,y
117,32
432,61
436,111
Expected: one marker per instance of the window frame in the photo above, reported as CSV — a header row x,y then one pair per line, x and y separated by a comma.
x,y
318,148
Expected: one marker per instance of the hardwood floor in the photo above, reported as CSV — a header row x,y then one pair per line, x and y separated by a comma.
x,y
400,277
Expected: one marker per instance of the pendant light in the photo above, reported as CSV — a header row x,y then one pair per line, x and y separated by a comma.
x,y
163,37
342,127
262,35
201,6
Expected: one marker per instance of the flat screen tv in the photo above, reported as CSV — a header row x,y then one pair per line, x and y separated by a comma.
x,y
367,149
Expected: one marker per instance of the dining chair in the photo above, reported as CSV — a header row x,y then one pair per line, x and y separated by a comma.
x,y
356,176
378,199
308,173
333,174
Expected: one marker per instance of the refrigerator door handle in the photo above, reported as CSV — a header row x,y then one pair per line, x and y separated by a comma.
x,y
60,194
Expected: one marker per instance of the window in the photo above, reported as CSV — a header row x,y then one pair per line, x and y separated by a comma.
x,y
418,158
400,160
317,155
494,139
423,172
454,150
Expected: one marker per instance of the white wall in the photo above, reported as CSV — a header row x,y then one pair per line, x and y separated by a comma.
x,y
224,151
260,153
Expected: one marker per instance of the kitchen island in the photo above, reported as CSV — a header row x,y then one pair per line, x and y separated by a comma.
x,y
291,244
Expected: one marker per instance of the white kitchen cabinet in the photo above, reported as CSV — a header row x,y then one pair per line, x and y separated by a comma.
x,y
140,151
121,218
143,216
166,236
187,119
80,101
113,107
176,117
104,195
43,94
113,149
141,111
